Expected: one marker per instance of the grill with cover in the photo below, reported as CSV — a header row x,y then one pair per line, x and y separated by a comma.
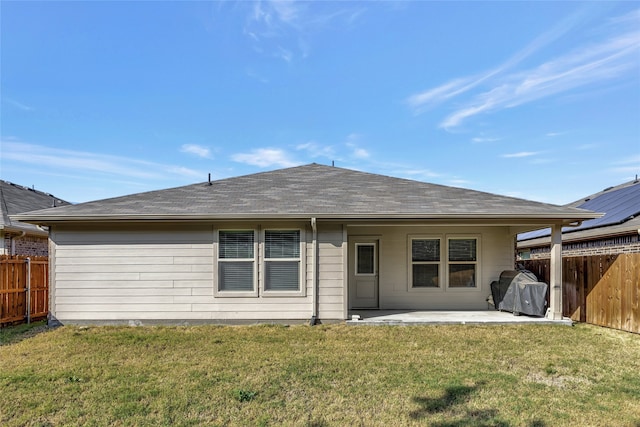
x,y
519,292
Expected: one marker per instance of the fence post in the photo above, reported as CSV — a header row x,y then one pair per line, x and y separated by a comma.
x,y
28,261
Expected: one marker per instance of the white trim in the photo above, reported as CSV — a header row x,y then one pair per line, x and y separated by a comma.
x,y
443,273
216,245
477,262
441,276
302,290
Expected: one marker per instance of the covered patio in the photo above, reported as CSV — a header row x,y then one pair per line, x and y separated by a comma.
x,y
436,317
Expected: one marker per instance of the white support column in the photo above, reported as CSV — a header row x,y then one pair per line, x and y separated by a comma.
x,y
555,273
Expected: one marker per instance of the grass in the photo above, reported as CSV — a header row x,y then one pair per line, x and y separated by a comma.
x,y
456,376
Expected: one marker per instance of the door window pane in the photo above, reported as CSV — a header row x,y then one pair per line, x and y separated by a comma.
x,y
365,259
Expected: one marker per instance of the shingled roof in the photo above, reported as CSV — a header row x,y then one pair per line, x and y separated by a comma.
x,y
16,199
308,191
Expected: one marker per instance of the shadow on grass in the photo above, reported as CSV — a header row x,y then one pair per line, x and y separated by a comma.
x,y
15,334
453,399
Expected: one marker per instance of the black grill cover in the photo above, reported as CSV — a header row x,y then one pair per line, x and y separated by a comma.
x,y
520,293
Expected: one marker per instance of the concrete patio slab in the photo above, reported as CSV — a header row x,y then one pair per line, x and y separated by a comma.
x,y
408,317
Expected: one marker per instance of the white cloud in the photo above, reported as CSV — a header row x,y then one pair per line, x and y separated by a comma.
x,y
459,86
420,101
198,150
265,157
360,153
587,146
481,139
459,182
356,151
281,28
421,173
82,162
314,149
608,59
629,160
18,105
520,154
629,166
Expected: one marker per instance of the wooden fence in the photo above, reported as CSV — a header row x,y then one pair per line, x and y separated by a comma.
x,y
602,290
24,288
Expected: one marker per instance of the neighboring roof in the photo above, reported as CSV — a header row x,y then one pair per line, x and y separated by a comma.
x,y
621,205
309,191
16,199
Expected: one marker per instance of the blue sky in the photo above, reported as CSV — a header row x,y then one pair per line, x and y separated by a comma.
x,y
539,100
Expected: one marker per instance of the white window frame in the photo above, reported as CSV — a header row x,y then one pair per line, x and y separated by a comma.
x,y
375,260
441,275
216,252
302,291
477,262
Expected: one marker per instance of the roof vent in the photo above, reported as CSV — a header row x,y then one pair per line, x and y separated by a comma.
x,y
607,189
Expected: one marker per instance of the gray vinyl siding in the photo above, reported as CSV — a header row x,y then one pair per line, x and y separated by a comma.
x,y
331,272
166,273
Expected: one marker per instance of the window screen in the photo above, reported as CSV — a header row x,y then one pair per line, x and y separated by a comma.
x,y
282,244
235,276
282,260
462,263
425,275
235,261
425,260
425,250
462,249
282,276
236,244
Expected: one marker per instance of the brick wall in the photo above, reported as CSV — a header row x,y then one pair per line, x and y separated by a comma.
x,y
27,245
611,246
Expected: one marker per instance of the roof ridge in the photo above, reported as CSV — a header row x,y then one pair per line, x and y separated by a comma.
x,y
32,189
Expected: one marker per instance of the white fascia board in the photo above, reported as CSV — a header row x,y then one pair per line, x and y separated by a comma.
x,y
524,219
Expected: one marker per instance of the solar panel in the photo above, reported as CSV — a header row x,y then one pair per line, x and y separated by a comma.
x,y
618,205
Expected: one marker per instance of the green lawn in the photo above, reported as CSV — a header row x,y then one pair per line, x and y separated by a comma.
x,y
336,375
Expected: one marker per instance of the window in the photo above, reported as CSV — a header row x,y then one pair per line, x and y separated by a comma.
x,y
442,263
236,261
462,262
425,263
250,263
282,260
365,258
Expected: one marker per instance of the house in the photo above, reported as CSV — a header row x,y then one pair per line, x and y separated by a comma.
x,y
21,238
617,232
311,242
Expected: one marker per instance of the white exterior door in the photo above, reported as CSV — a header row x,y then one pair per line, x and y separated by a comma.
x,y
363,273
